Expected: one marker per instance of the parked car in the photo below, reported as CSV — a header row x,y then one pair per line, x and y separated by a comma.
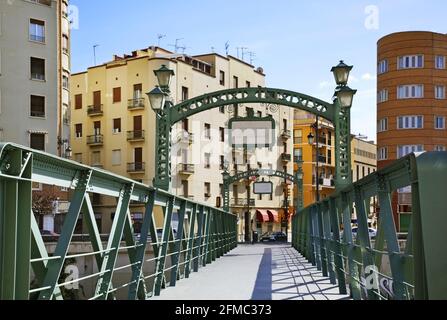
x,y
274,237
372,233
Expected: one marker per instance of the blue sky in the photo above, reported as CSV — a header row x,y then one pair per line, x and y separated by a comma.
x,y
296,42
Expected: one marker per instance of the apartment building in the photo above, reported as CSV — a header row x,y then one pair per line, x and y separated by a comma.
x,y
411,105
34,74
34,89
363,156
113,128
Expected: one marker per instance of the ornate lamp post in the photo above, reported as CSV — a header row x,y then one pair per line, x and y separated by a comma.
x,y
160,103
311,139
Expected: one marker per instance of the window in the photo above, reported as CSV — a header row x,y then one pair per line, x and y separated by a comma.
x,y
185,93
235,82
37,69
65,82
402,151
383,153
222,162
117,125
383,66
78,101
222,134
96,158
78,157
247,84
259,114
65,44
439,122
298,153
37,107
382,96
440,62
298,136
382,125
410,91
116,157
207,160
439,92
207,189
37,141
410,122
222,78
37,30
207,131
411,62
137,91
78,130
222,109
116,95
440,148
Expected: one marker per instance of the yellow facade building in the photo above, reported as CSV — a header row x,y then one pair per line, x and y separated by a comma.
x,y
363,156
113,128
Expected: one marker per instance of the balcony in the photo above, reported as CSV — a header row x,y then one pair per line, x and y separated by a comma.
x,y
37,114
187,169
37,38
136,167
185,137
286,134
325,182
38,76
242,202
93,111
321,159
66,119
136,104
286,157
96,140
134,136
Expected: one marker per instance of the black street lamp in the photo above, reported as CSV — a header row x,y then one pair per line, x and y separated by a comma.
x,y
312,139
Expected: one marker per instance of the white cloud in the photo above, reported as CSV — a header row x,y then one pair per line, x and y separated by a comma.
x,y
325,84
368,76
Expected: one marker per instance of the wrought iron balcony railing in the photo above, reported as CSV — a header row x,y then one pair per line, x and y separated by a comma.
x,y
187,169
97,139
138,135
286,134
95,110
286,157
136,167
242,202
136,104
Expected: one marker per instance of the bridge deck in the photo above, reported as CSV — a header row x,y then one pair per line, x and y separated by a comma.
x,y
259,272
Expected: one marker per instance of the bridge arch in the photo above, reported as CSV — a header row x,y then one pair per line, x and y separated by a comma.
x,y
333,112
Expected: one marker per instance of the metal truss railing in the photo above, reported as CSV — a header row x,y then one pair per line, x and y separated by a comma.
x,y
385,266
203,233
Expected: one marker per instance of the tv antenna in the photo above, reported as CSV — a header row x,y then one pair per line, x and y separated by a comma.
x,y
243,49
94,52
159,37
213,49
252,56
176,45
227,47
362,137
183,48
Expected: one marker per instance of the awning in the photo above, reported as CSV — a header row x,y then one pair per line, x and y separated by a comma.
x,y
262,216
273,216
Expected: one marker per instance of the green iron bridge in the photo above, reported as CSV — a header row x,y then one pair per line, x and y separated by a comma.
x,y
130,266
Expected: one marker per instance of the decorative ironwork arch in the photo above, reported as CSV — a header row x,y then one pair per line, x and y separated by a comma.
x,y
252,95
228,180
332,112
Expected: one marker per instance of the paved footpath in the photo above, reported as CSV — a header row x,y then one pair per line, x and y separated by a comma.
x,y
256,272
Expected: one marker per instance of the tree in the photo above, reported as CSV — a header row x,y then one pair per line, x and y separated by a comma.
x,y
43,202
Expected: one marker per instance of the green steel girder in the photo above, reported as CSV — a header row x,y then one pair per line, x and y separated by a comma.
x,y
332,112
22,246
418,271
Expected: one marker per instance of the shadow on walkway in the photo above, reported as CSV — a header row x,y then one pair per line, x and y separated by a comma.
x,y
263,284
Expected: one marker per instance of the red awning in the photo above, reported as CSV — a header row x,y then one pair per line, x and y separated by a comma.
x,y
273,216
262,216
